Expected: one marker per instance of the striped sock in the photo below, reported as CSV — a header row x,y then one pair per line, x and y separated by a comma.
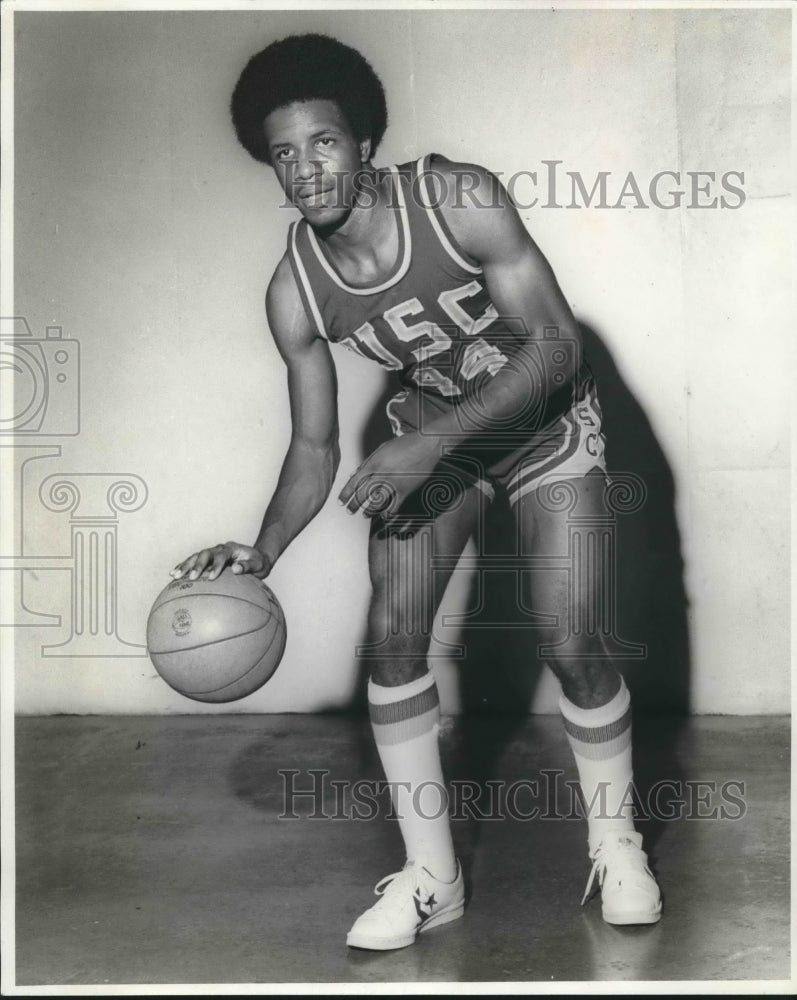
x,y
405,721
600,739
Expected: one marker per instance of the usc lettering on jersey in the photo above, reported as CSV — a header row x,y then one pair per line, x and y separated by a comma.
x,y
431,319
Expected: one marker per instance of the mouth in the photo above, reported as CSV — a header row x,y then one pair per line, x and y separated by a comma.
x,y
314,197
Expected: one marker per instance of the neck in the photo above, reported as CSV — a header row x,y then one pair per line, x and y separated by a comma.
x,y
368,219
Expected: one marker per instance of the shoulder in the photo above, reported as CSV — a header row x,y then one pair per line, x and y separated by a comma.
x,y
282,290
285,311
282,283
458,184
459,174
476,206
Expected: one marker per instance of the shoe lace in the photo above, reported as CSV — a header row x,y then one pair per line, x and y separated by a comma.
x,y
623,850
398,882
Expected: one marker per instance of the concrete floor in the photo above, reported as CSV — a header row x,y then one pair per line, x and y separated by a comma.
x,y
151,851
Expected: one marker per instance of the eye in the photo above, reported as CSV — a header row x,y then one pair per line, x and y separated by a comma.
x,y
326,141
282,154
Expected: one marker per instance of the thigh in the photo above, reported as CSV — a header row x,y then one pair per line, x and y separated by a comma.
x,y
561,509
563,525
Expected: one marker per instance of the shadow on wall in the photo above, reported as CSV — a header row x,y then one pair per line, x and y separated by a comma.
x,y
652,601
651,605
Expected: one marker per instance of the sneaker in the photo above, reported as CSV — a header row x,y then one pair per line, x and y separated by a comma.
x,y
411,901
629,891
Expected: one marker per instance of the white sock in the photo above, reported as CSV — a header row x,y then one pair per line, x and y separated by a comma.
x,y
405,721
601,742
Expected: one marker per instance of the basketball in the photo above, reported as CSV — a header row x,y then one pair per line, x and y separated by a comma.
x,y
216,640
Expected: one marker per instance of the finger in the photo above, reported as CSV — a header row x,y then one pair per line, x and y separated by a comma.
x,y
347,492
241,561
182,568
354,493
355,502
200,562
377,497
365,497
220,560
246,566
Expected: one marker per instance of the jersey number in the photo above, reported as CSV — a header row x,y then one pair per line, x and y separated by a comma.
x,y
404,321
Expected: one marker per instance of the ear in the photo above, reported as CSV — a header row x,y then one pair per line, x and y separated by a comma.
x,y
365,150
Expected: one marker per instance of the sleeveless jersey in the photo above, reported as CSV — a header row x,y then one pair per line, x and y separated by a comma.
x,y
431,319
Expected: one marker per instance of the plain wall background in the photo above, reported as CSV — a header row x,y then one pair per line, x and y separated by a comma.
x,y
149,235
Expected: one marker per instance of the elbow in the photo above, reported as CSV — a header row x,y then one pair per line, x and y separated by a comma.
x,y
320,456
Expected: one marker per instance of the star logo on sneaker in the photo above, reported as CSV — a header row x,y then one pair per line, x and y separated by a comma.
x,y
393,923
419,905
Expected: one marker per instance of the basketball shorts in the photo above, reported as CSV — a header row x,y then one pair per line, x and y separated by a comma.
x,y
519,459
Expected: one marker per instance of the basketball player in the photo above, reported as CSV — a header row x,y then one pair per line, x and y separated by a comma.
x,y
453,295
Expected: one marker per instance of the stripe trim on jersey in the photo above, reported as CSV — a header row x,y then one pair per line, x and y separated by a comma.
x,y
435,217
303,283
405,261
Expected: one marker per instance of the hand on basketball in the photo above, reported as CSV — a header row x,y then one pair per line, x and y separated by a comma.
x,y
390,474
209,563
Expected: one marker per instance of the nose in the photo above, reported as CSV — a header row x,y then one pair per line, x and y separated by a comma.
x,y
306,167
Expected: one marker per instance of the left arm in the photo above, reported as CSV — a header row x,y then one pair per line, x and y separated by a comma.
x,y
527,297
524,290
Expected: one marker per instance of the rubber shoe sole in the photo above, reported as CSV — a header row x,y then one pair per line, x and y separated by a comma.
x,y
631,919
354,940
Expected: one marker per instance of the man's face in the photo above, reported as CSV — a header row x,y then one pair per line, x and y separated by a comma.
x,y
316,158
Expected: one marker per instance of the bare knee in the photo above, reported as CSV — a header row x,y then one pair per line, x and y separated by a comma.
x,y
588,676
398,642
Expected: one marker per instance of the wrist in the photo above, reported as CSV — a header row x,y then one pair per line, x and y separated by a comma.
x,y
270,548
445,429
425,449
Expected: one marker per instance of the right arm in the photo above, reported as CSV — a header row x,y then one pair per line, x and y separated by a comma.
x,y
311,462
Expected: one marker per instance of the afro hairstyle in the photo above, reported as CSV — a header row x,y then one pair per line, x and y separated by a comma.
x,y
305,68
